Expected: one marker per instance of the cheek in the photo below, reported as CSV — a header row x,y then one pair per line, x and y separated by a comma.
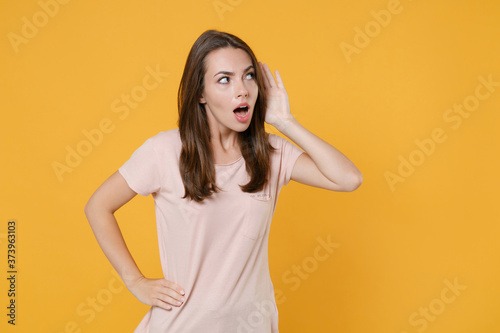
x,y
256,93
254,89
217,97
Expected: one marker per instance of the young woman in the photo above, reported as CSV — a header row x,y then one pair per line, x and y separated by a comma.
x,y
215,181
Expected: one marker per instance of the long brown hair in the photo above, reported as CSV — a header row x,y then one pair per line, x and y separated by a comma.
x,y
196,160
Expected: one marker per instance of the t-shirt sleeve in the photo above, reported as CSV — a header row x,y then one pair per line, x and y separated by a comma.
x,y
141,171
288,154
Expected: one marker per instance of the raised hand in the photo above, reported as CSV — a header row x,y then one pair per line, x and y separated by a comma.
x,y
278,107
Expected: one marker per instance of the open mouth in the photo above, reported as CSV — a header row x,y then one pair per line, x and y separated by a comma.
x,y
241,111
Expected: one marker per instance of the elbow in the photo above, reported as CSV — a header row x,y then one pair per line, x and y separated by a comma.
x,y
355,181
88,209
95,209
95,214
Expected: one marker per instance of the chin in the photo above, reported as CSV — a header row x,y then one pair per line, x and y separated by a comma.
x,y
241,128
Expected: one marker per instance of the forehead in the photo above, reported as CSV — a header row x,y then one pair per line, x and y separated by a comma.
x,y
227,59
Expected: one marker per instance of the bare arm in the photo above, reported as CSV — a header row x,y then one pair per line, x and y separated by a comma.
x,y
322,165
107,199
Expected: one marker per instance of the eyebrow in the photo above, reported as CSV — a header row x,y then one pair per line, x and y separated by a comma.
x,y
232,73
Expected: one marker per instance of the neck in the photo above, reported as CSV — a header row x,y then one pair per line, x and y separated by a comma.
x,y
222,139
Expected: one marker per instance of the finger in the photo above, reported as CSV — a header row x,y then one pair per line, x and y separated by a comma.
x,y
169,296
159,303
168,299
268,76
174,286
264,76
280,81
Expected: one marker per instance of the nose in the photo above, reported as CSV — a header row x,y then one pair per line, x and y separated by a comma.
x,y
240,89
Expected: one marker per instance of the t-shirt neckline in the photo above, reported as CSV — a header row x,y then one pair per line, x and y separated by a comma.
x,y
230,163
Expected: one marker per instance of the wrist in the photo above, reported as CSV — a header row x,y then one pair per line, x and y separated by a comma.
x,y
129,279
284,125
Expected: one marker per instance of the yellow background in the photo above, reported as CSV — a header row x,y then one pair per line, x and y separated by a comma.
x,y
398,246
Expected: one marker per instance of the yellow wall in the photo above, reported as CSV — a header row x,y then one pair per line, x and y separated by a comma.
x,y
401,87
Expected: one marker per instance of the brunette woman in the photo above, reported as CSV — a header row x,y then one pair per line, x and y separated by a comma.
x,y
215,181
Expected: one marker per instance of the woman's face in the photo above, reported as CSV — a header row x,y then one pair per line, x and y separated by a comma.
x,y
230,89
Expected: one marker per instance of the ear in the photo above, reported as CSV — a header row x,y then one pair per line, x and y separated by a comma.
x,y
202,100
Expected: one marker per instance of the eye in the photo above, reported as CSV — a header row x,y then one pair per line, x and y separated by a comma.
x,y
250,75
223,79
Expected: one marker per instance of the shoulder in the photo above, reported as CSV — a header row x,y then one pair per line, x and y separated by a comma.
x,y
166,139
275,140
163,144
284,147
166,136
278,142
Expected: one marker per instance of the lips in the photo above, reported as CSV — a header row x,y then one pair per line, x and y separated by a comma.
x,y
241,110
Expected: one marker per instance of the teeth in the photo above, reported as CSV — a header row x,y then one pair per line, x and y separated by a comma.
x,y
242,108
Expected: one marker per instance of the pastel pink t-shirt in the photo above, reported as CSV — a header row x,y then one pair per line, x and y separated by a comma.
x,y
216,250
